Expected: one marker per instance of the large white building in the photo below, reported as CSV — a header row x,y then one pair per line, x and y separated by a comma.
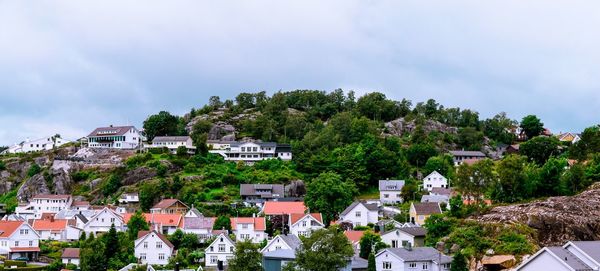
x,y
40,144
172,143
250,152
44,203
102,221
153,248
389,191
434,180
115,137
18,239
419,258
221,249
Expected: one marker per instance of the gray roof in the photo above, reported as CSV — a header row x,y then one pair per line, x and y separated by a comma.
x,y
591,248
198,222
287,254
427,208
467,153
82,218
250,190
441,191
292,240
568,258
170,138
419,254
262,144
370,207
391,185
110,131
414,231
435,198
359,263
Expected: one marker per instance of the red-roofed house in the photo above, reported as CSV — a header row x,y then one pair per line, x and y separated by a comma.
x,y
354,237
249,228
18,239
163,223
304,224
70,256
284,208
170,206
151,247
56,229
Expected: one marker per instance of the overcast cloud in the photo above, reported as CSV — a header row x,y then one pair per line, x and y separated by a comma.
x,y
69,66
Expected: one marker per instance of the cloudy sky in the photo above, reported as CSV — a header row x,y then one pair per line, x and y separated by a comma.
x,y
69,66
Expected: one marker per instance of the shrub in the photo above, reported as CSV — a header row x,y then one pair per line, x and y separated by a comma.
x,y
2,165
33,169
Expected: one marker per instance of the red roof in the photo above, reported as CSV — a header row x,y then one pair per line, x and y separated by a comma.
x,y
162,219
296,217
49,225
70,253
8,227
166,203
81,203
25,249
354,236
142,234
258,222
283,207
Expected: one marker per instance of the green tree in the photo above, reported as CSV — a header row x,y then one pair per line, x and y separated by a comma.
x,y
456,207
136,223
222,222
247,257
111,185
149,192
377,107
470,139
574,179
162,124
371,263
512,182
179,239
459,262
438,226
111,242
324,250
589,143
418,154
540,148
329,195
33,170
368,242
532,126
92,255
443,164
498,128
550,177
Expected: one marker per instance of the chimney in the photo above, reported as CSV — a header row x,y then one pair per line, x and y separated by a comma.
x,y
52,219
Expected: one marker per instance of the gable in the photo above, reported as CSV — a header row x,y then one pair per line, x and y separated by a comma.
x,y
542,261
277,241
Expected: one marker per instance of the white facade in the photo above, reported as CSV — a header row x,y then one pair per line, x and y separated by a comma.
x,y
172,143
390,191
129,198
545,260
305,225
23,241
249,228
221,249
574,255
276,243
41,144
360,215
434,179
152,249
250,152
397,238
115,137
44,204
74,261
102,221
387,260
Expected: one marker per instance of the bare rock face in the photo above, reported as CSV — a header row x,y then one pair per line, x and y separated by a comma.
x,y
138,175
557,219
220,130
399,127
33,186
62,182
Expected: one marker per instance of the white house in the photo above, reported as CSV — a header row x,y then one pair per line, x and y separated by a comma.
x,y
419,258
172,143
249,228
434,179
389,191
102,222
18,239
462,156
129,198
221,249
573,256
250,152
70,256
163,223
304,224
151,247
115,137
56,229
40,144
44,203
404,237
360,213
282,241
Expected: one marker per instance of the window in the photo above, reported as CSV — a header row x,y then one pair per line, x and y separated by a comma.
x,y
387,265
16,243
357,214
412,265
213,259
158,244
212,249
394,243
221,247
244,226
304,223
386,196
142,256
30,243
161,256
145,244
425,266
243,149
112,219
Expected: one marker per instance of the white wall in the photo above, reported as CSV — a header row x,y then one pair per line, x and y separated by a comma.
x,y
212,251
276,244
434,180
543,262
102,222
365,217
242,233
305,226
152,247
399,237
392,197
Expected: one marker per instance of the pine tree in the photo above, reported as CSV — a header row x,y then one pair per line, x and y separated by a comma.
x,y
111,241
371,266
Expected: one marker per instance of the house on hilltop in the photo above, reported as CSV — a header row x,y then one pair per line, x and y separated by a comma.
x,y
115,137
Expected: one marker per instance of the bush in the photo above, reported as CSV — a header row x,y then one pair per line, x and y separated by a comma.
x,y
138,160
15,263
33,169
2,165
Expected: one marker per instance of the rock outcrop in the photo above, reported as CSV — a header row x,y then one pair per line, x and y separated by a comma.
x,y
138,175
401,126
557,219
222,131
33,186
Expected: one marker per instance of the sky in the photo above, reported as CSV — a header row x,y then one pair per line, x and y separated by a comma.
x,y
69,66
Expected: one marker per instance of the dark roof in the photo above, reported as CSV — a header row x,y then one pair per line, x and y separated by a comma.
x,y
569,259
419,254
110,131
370,207
70,253
391,185
283,148
82,218
427,208
250,190
414,231
292,240
467,153
441,191
591,248
198,222
435,198
170,138
359,263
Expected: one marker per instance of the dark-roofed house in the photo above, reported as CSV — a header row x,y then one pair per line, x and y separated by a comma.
x,y
418,258
250,151
419,212
404,237
282,241
70,256
258,193
169,206
389,191
460,156
573,256
115,137
151,247
172,143
360,213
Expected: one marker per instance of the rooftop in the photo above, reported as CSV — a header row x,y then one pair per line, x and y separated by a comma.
x,y
258,222
281,207
166,203
391,185
418,254
369,206
143,234
427,208
110,131
70,253
467,153
170,139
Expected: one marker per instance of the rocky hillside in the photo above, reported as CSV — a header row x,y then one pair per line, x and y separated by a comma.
x,y
556,219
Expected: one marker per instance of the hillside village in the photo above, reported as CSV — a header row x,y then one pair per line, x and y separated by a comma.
x,y
255,182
